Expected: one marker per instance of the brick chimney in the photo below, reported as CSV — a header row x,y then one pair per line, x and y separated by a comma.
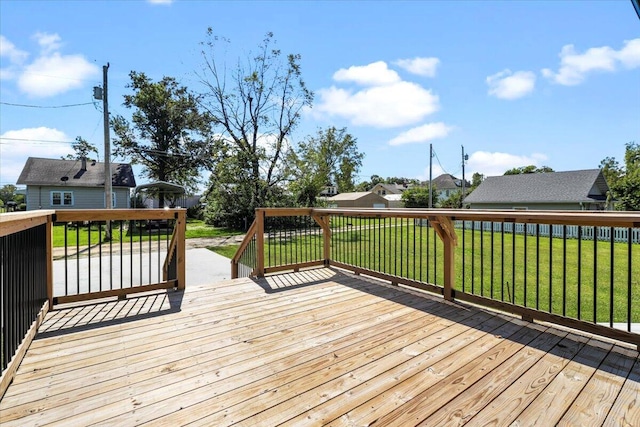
x,y
84,163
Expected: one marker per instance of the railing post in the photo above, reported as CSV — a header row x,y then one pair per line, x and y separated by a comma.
x,y
260,242
324,222
49,240
327,241
234,269
447,233
449,268
181,227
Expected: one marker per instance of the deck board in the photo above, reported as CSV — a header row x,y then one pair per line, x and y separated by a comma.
x,y
317,347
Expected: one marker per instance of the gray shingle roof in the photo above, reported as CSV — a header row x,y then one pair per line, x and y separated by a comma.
x,y
448,182
353,196
39,171
555,187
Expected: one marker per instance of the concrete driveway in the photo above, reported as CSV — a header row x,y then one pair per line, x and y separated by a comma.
x,y
92,274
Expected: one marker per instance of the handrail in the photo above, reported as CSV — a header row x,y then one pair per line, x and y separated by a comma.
x,y
14,222
598,218
68,215
176,251
481,242
245,241
249,236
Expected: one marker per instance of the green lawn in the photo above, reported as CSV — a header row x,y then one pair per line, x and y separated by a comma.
x,y
519,269
84,235
198,228
226,251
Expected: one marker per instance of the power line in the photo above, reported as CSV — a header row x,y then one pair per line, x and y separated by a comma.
x,y
45,141
441,167
46,106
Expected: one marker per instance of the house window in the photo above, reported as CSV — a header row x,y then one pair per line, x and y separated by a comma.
x,y
62,198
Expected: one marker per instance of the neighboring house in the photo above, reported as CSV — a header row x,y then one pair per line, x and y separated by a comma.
x,y
74,184
329,190
395,200
384,189
446,185
365,199
572,190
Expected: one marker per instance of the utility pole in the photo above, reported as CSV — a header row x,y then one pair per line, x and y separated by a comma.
x,y
430,176
107,149
464,182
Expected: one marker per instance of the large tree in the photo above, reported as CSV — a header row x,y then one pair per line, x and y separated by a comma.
x,y
418,197
529,169
329,157
624,181
254,106
81,148
7,193
167,134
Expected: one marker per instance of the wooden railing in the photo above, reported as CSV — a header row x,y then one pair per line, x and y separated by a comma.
x,y
505,260
26,281
87,266
141,255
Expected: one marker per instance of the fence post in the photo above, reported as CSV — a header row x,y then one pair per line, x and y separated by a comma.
x,y
260,242
181,228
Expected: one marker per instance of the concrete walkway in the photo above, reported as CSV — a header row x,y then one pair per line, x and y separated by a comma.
x,y
103,273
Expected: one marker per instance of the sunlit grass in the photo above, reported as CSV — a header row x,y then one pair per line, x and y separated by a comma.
x,y
569,277
85,236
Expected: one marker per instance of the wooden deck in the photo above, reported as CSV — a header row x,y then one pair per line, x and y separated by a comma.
x,y
313,348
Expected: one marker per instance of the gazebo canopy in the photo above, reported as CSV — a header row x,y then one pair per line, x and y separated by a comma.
x,y
163,186
162,189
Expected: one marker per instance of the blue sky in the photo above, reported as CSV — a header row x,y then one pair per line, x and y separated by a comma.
x,y
547,83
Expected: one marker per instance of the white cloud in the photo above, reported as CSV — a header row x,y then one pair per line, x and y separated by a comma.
x,y
51,72
496,163
574,66
398,104
509,85
385,101
18,145
160,1
421,66
48,42
15,56
629,55
376,73
422,133
54,74
9,50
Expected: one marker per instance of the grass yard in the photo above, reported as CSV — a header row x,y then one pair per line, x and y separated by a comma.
x,y
226,251
543,273
198,228
84,236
